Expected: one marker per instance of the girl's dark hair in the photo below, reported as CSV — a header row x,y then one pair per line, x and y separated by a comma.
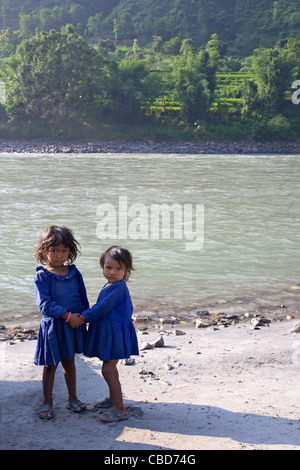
x,y
121,255
53,236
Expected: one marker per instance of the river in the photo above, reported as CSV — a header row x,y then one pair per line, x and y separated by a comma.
x,y
203,229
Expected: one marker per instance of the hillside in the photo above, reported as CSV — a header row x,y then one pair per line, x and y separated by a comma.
x,y
186,69
241,25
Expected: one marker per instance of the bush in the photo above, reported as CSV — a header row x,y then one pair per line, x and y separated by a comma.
x,y
279,127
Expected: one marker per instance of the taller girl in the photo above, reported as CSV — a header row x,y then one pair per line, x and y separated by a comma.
x,y
59,290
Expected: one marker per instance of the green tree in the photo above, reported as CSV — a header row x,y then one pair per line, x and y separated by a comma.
x,y
273,72
130,85
115,30
195,78
106,46
172,47
9,40
192,87
26,25
57,75
213,47
125,26
157,45
187,47
135,48
94,25
293,51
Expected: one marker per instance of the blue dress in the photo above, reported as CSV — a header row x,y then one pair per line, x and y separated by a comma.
x,y
55,294
111,333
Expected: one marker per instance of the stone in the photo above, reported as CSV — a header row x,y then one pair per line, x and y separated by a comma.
x,y
128,361
295,328
260,321
200,323
158,342
146,372
144,346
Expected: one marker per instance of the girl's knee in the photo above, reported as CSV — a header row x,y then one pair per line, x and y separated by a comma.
x,y
49,370
68,364
109,367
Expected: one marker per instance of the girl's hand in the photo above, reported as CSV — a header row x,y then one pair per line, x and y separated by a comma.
x,y
75,320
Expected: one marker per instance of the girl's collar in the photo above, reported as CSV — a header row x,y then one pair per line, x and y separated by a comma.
x,y
63,267
72,270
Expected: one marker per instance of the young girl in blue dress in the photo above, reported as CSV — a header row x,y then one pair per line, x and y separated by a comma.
x,y
59,291
111,334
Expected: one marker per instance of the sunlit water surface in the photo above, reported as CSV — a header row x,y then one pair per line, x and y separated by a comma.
x,y
250,250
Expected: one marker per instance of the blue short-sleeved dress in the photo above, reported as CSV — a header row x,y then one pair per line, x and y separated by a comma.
x,y
56,294
111,333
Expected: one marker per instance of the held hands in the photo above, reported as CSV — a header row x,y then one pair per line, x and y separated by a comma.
x,y
76,320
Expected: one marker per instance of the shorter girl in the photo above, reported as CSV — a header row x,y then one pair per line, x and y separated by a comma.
x,y
111,334
59,290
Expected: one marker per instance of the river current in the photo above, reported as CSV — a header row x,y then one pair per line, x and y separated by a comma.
x,y
203,229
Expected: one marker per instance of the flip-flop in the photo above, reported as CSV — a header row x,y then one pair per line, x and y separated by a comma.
x,y
74,405
113,417
107,403
48,411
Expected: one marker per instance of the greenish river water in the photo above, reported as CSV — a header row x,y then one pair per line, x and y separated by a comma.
x,y
202,228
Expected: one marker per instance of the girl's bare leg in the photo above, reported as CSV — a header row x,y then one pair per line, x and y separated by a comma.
x,y
70,378
48,382
111,376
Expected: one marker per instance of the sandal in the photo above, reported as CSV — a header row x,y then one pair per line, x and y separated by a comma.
x,y
75,404
47,411
107,403
112,417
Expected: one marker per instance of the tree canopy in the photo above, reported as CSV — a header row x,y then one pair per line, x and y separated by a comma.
x,y
56,73
240,24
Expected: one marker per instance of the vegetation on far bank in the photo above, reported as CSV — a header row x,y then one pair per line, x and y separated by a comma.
x,y
70,83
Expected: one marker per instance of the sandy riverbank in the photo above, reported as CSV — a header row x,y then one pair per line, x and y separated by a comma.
x,y
209,388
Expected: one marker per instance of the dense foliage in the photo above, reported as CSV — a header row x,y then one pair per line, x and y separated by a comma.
x,y
241,25
192,69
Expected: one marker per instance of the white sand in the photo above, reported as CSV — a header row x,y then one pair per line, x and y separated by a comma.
x,y
234,388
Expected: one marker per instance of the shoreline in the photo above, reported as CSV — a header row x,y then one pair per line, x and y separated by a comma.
x,y
162,315
232,388
52,146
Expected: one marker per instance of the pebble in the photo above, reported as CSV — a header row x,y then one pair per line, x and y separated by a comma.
x,y
295,328
159,314
158,342
148,146
17,334
202,312
144,346
146,372
223,320
259,321
128,361
167,321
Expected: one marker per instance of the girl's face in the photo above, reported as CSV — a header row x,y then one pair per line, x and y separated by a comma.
x,y
113,271
58,255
